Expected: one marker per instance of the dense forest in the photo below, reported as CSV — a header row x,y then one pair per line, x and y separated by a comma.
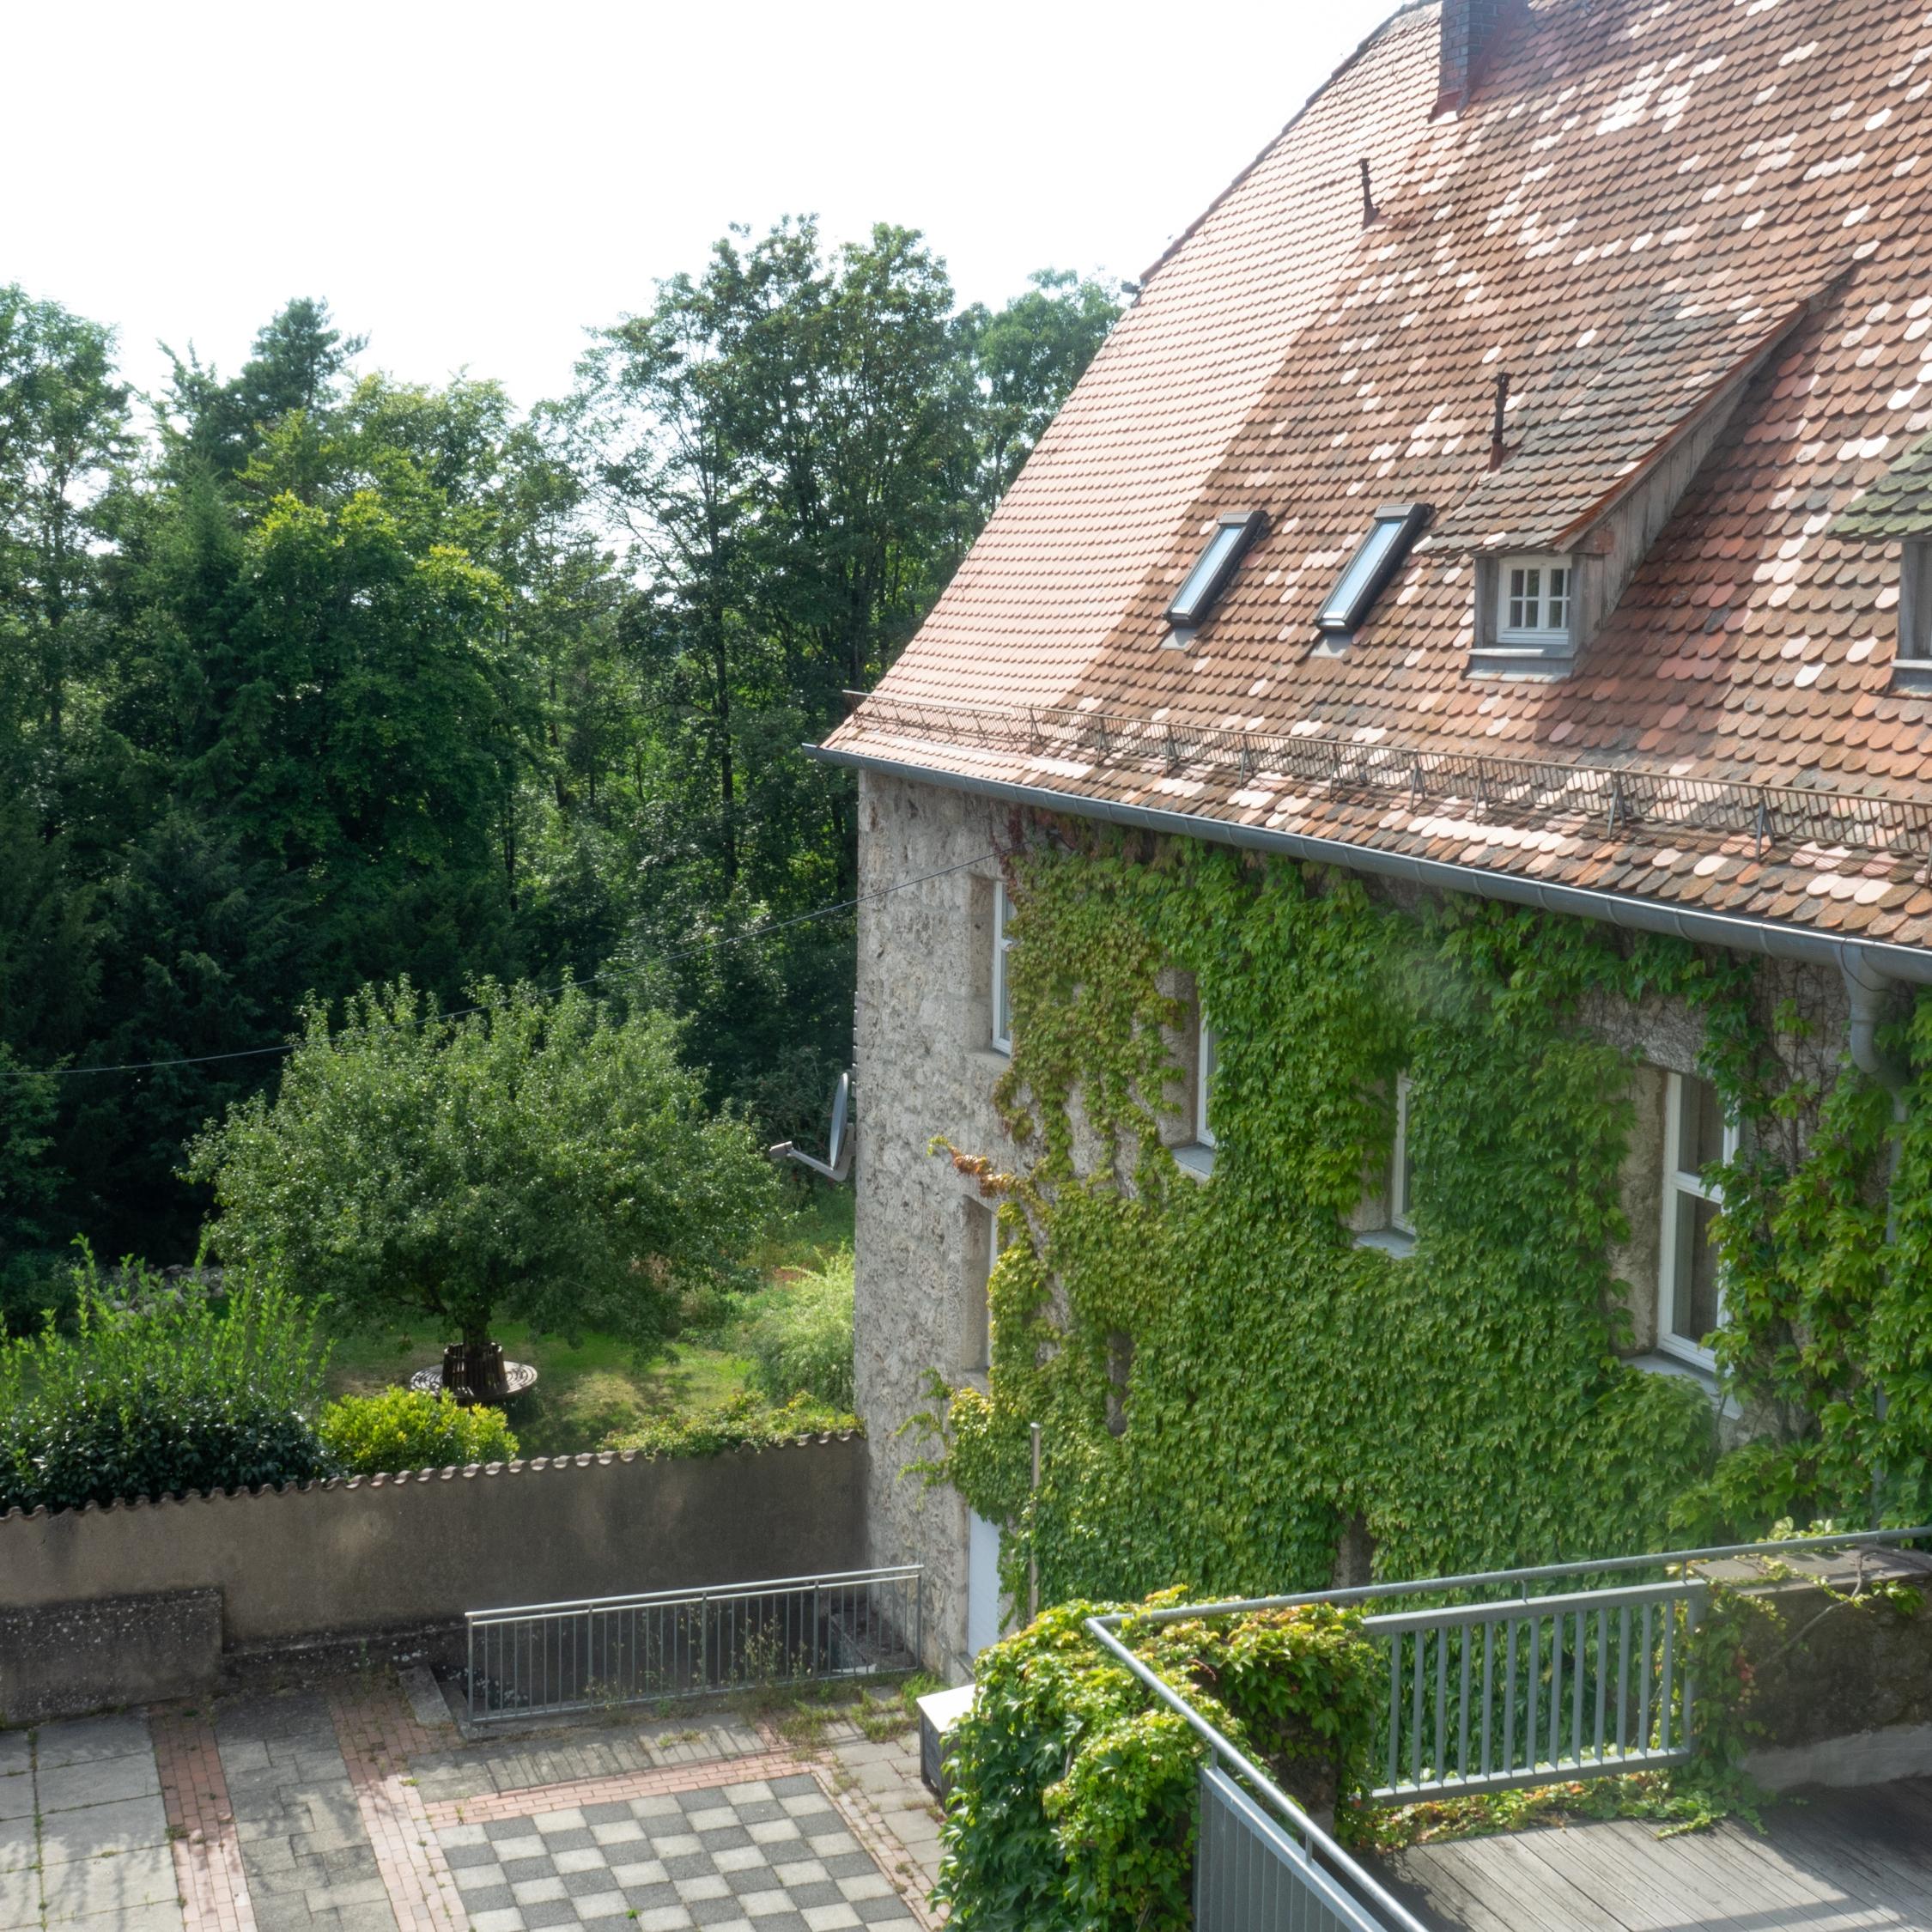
x,y
311,678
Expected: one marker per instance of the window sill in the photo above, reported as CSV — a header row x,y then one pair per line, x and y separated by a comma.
x,y
1659,1363
1390,1240
1912,674
1516,660
1196,1159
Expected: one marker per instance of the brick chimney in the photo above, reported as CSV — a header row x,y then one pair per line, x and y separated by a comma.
x,y
1472,29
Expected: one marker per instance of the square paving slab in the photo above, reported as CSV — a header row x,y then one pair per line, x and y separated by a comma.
x,y
764,1856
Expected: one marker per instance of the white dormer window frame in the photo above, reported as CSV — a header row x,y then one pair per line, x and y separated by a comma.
x,y
1002,987
1536,601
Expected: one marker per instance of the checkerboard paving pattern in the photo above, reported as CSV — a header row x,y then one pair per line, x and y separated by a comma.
x,y
764,1855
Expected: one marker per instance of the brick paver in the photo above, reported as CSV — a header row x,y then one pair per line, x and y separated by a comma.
x,y
201,1823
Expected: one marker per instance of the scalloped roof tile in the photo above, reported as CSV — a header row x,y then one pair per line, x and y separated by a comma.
x,y
1640,208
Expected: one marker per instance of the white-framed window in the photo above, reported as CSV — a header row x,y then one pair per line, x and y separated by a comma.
x,y
1690,1287
1002,991
1401,1163
1535,599
1207,1053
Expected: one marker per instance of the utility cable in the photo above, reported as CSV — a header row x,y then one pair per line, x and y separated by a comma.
x,y
762,932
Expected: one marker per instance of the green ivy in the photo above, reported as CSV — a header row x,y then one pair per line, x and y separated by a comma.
x,y
1073,1798
1227,1382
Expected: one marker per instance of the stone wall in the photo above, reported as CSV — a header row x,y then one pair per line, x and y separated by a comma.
x,y
58,1659
363,1557
927,1066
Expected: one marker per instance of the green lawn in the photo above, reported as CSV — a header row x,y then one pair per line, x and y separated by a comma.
x,y
587,1393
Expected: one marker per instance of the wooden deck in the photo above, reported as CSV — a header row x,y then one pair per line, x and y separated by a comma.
x,y
1841,1861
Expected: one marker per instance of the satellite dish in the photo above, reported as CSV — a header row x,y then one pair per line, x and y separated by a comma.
x,y
841,1108
837,1164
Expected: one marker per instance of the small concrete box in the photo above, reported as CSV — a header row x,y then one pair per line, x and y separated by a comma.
x,y
938,1714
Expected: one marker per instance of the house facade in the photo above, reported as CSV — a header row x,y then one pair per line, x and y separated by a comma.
x,y
1460,667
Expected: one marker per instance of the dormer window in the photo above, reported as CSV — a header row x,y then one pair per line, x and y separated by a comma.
x,y
1526,613
1213,570
1377,558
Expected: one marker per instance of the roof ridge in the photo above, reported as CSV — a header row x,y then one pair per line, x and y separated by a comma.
x,y
1280,134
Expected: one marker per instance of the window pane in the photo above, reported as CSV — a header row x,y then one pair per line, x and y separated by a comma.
x,y
1700,1126
1194,594
1556,614
1696,1311
1340,607
1522,600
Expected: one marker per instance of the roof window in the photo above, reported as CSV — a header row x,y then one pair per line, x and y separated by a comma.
x,y
1377,558
1216,565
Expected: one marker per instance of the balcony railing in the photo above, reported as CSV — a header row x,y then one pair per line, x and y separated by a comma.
x,y
1496,1679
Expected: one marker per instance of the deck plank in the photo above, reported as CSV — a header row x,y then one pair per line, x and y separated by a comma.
x,y
1843,1862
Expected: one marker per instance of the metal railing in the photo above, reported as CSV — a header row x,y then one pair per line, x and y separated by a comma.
x,y
1508,790
1261,1863
1487,1696
550,1659
1513,1688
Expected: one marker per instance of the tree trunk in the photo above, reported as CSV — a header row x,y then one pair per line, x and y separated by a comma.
x,y
473,1372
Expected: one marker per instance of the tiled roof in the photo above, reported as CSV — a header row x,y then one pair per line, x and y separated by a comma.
x,y
1898,505
1641,205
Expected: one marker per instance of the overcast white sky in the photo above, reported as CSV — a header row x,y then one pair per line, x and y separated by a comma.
x,y
471,185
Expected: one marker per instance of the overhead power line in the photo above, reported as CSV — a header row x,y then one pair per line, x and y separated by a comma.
x,y
762,932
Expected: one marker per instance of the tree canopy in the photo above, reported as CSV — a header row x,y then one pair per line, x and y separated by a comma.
x,y
535,1158
326,679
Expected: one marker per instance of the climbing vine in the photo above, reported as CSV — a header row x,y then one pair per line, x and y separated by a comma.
x,y
1228,1383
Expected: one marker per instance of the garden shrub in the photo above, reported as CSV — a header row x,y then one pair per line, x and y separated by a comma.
x,y
412,1429
1074,1797
799,1335
742,1423
158,1392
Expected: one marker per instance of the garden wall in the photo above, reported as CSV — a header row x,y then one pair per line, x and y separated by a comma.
x,y
369,1555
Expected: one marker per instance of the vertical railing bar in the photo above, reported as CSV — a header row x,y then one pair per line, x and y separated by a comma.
x,y
1509,1701
1417,1663
1555,1689
1535,1687
1463,1729
1442,1700
1669,1677
1694,1609
1644,1687
1489,1664
1394,1703
1576,1692
1623,1681
1602,1675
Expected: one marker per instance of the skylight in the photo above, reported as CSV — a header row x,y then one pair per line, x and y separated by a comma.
x,y
1209,577
1377,559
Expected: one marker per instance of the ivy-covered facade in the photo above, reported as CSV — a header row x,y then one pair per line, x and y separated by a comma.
x,y
1245,1381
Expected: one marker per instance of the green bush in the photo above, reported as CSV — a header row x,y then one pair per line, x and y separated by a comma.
x,y
1074,1797
411,1428
742,1423
799,1335
160,1392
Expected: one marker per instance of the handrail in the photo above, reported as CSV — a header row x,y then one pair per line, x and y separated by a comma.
x,y
1401,1919
760,1587
1367,1593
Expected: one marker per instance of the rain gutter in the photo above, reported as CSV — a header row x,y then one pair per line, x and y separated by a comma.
x,y
1872,971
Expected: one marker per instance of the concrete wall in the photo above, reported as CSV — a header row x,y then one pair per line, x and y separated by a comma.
x,y
58,1659
926,1066
389,1552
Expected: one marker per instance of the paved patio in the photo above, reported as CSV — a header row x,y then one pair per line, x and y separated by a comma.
x,y
356,1806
